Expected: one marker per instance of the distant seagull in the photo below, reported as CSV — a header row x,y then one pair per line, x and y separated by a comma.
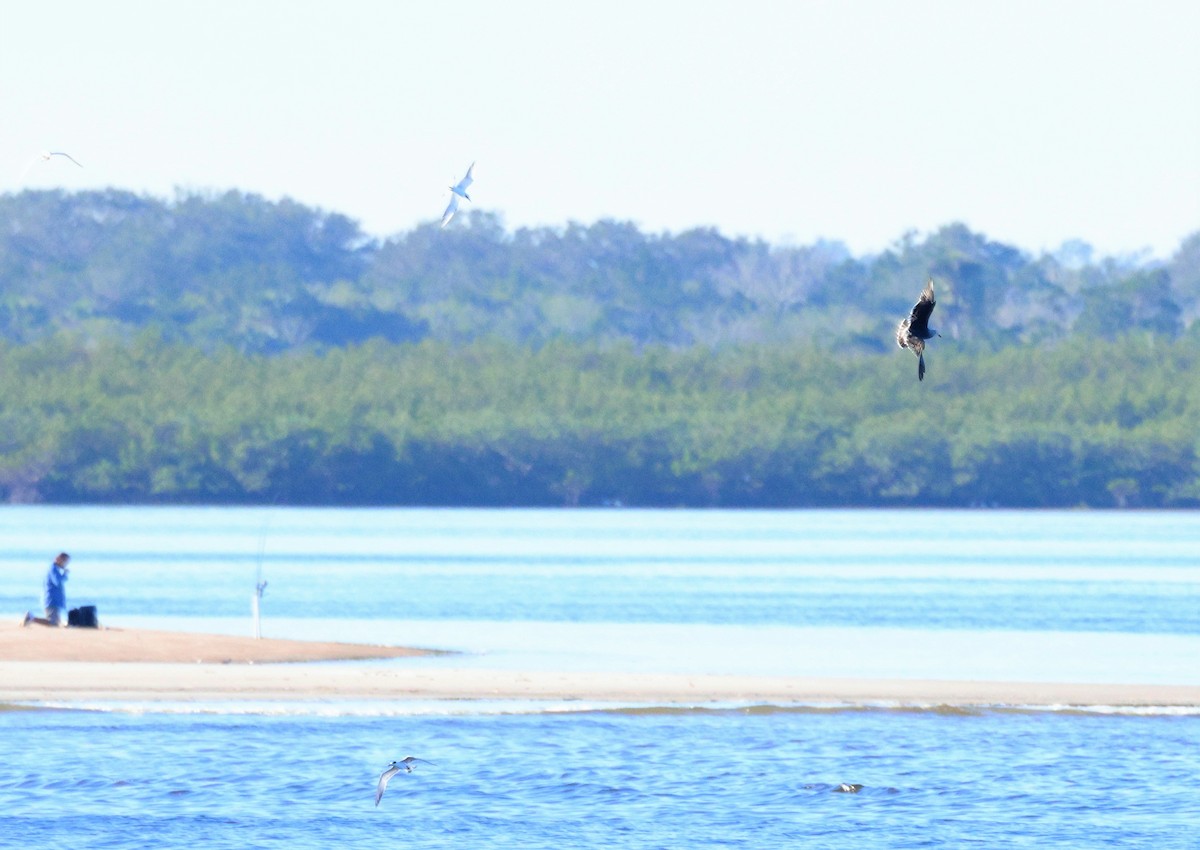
x,y
47,154
845,788
458,190
912,332
405,764
44,156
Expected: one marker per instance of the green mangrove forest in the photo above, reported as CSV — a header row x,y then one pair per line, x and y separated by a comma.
x,y
229,349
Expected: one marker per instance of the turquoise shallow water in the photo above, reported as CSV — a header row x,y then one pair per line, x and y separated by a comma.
x,y
1056,571
1068,596
956,594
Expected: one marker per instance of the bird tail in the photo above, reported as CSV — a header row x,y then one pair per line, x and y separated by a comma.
x,y
920,367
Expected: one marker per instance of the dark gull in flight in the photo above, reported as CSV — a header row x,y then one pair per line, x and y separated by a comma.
x,y
912,332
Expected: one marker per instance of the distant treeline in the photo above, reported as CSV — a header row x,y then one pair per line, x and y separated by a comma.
x,y
226,348
1083,421
272,277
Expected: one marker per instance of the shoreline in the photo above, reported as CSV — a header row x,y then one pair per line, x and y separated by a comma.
x,y
154,682
46,665
49,644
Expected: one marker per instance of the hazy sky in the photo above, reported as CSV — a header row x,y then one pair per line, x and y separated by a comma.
x,y
1032,122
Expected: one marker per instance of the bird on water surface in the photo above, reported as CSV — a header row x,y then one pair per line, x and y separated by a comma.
x,y
405,764
912,332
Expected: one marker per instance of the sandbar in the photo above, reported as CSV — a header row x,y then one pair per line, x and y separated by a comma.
x,y
64,666
109,645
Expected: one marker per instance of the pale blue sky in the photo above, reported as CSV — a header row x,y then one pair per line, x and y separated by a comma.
x,y
1032,122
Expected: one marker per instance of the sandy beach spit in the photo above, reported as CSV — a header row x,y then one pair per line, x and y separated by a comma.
x,y
80,665
108,645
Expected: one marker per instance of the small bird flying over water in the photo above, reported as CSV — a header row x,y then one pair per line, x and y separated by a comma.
x,y
44,156
405,764
458,190
912,332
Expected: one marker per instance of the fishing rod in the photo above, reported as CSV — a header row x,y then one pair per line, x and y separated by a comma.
x,y
259,584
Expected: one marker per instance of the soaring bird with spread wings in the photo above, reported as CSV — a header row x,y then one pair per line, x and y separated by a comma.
x,y
912,332
458,190
405,764
44,156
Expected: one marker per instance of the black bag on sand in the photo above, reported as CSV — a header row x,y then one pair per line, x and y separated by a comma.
x,y
84,616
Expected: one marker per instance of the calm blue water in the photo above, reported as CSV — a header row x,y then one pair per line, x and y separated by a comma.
x,y
1129,573
956,594
611,780
1069,596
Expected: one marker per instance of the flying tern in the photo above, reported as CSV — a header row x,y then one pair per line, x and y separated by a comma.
x,y
458,190
45,156
405,764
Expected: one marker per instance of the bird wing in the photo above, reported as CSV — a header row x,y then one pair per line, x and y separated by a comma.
x,y
67,155
905,338
467,180
383,781
451,209
918,319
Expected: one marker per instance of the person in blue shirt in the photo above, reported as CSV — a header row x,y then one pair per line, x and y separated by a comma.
x,y
56,594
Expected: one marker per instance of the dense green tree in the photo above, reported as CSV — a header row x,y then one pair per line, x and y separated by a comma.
x,y
1091,422
226,348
